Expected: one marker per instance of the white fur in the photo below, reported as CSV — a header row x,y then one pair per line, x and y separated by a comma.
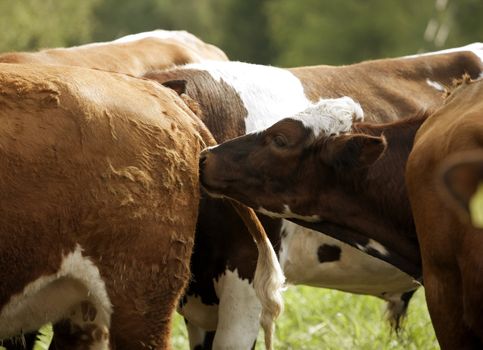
x,y
287,213
476,48
54,297
330,116
178,35
435,85
372,244
355,272
239,312
268,93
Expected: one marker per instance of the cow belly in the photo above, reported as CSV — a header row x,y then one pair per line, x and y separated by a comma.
x,y
311,258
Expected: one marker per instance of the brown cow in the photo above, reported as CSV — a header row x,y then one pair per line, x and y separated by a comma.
x,y
99,184
238,98
451,247
135,54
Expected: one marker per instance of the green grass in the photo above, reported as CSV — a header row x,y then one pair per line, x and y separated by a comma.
x,y
326,319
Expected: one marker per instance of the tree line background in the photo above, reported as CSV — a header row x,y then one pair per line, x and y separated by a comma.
x,y
277,32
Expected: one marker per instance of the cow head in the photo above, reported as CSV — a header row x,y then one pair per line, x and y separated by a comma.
x,y
283,170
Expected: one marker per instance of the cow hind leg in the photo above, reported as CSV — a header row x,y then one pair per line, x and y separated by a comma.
x,y
472,285
83,329
199,339
444,298
20,342
238,315
75,295
80,320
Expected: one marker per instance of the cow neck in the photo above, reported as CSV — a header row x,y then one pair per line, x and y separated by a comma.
x,y
376,205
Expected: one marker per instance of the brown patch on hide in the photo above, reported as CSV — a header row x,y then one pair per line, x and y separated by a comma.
x,y
390,89
222,109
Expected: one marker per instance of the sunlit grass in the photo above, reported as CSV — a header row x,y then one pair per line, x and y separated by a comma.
x,y
325,319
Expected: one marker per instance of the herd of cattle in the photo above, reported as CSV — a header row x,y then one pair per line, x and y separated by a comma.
x,y
361,176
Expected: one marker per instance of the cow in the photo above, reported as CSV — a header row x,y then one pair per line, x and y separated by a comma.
x,y
447,152
238,98
100,195
135,54
319,169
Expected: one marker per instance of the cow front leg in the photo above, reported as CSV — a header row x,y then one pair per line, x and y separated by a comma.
x,y
238,314
444,298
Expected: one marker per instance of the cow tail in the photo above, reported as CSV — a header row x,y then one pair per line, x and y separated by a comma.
x,y
269,279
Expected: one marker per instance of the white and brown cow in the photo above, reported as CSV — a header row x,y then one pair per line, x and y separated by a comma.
x,y
319,170
238,98
99,202
135,54
450,144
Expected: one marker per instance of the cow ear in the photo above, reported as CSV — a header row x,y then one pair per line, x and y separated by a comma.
x,y
177,85
352,151
461,181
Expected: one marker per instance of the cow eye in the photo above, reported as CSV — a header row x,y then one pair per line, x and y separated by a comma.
x,y
279,141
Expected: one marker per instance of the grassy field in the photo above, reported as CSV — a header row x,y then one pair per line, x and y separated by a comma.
x,y
317,319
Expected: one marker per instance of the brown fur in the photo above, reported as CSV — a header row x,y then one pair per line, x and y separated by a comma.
x,y
135,58
451,248
390,88
324,177
107,162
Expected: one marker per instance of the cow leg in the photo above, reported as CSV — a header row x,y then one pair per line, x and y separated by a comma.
x,y
84,329
444,298
472,285
239,313
199,339
21,342
54,298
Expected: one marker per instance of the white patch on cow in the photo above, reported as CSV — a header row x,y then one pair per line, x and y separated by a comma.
x,y
354,272
372,244
268,93
287,213
178,35
239,312
435,85
330,116
476,48
199,314
58,296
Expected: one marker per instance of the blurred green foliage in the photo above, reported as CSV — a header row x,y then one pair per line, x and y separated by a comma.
x,y
278,32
